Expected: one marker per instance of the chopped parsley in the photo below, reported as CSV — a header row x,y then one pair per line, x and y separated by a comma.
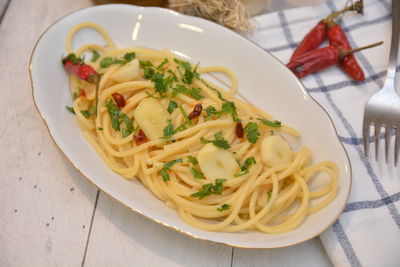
x,y
230,108
95,56
209,189
162,64
188,74
89,112
70,109
275,124
252,133
211,112
184,114
108,61
224,207
73,58
169,129
100,128
172,106
117,117
193,160
197,174
74,95
167,166
219,141
182,89
245,168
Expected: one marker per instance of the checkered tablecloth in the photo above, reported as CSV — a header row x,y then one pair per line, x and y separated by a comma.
x,y
368,232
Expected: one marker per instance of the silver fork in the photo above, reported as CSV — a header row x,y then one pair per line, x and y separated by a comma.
x,y
383,108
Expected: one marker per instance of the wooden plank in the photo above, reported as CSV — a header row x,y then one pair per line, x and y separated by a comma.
x,y
45,204
121,237
310,253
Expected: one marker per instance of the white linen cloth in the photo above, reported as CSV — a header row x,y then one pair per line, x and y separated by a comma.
x,y
368,232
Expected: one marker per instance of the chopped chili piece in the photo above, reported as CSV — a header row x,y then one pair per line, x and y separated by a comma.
x,y
196,111
239,129
82,92
140,138
119,100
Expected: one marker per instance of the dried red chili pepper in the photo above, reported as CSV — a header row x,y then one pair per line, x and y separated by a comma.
x,y
76,66
140,138
349,64
318,34
196,112
239,129
82,92
320,59
119,100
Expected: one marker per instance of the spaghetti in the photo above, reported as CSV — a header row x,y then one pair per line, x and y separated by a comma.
x,y
219,161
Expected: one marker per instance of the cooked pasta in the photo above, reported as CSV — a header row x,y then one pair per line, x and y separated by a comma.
x,y
222,163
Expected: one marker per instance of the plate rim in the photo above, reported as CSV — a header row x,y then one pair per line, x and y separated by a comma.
x,y
186,233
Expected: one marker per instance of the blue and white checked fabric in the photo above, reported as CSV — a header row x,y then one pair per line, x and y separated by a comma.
x,y
368,232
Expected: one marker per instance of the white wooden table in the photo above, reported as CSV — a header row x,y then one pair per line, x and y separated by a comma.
x,y
50,215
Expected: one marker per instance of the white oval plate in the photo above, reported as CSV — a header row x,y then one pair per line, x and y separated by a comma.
x,y
263,80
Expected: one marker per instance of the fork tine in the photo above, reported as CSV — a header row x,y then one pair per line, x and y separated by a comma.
x,y
396,146
378,127
366,137
388,132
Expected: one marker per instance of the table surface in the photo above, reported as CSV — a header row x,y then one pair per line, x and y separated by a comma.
x,y
50,215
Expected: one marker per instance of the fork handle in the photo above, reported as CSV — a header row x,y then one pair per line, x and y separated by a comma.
x,y
394,46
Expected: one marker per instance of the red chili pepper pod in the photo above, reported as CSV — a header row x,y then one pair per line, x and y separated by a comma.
x,y
76,66
321,58
311,41
349,64
313,61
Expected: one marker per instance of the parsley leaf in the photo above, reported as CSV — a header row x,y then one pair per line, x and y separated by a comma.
x,y
252,133
192,92
224,207
129,56
219,141
74,95
169,129
211,112
193,160
95,56
248,162
197,174
275,124
190,75
87,113
167,166
184,114
204,191
100,128
128,123
106,62
230,107
70,109
73,58
209,189
245,168
117,117
172,106
113,111
162,64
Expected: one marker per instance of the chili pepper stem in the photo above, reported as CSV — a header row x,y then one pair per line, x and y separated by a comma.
x,y
357,6
343,54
